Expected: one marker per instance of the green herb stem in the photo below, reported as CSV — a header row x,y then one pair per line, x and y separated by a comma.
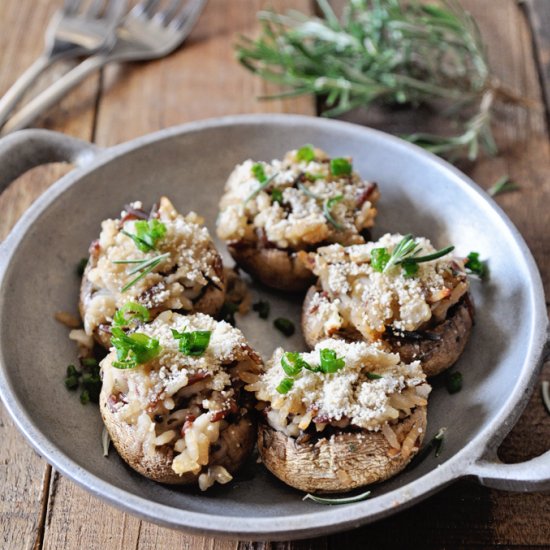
x,y
337,501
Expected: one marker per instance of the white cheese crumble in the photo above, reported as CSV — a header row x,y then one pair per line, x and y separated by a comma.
x,y
347,394
300,220
191,264
360,297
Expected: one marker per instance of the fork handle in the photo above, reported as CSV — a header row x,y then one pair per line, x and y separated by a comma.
x,y
12,97
51,95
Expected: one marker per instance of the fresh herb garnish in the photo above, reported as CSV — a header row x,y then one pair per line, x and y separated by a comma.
x,y
307,192
503,185
285,385
337,501
305,154
383,52
143,267
148,233
373,376
475,266
258,172
284,325
293,364
262,307
228,311
327,207
91,382
330,362
193,343
90,362
277,196
133,349
545,390
453,382
129,313
84,397
81,266
72,379
436,443
405,254
264,182
340,167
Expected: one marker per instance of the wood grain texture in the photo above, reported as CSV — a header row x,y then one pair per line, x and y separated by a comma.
x,y
201,80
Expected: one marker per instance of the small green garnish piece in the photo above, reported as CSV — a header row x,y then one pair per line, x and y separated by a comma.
x,y
305,154
285,385
503,185
405,254
258,172
453,382
84,397
314,177
262,307
193,343
340,167
130,313
327,207
545,390
143,267
475,266
148,233
337,501
81,266
133,349
263,184
91,382
435,443
330,362
373,376
72,379
90,362
277,196
284,325
293,364
228,311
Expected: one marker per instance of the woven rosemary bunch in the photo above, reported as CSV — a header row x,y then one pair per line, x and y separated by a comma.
x,y
384,52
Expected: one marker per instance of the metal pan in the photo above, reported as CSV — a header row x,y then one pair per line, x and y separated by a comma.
x,y
420,194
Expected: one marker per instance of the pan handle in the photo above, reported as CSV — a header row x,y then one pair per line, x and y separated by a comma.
x,y
26,149
532,475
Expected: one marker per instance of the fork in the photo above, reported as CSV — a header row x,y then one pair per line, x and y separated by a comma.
x,y
145,33
73,31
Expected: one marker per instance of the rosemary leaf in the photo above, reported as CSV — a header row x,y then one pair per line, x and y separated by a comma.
x,y
336,501
503,185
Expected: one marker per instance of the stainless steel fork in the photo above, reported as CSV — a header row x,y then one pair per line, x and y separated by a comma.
x,y
145,33
73,31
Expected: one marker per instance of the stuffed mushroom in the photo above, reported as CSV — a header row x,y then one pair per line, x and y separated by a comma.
x,y
344,415
271,211
399,290
172,398
160,260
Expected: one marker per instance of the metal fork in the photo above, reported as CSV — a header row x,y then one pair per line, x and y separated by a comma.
x,y
72,32
145,33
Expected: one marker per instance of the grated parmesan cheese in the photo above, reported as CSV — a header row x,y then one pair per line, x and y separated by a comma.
x,y
301,221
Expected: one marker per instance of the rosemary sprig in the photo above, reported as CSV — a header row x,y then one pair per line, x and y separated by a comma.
x,y
263,185
143,267
335,501
382,51
503,185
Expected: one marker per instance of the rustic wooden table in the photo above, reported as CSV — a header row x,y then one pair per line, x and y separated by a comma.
x,y
41,509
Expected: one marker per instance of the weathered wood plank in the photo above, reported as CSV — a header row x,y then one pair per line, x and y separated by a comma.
x,y
24,476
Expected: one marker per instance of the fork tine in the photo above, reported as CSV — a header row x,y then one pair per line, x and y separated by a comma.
x,y
94,8
188,16
168,14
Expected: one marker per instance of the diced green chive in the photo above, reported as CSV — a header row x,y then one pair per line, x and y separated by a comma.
x,y
340,167
284,325
475,266
373,376
262,307
379,257
84,397
193,343
330,362
285,385
305,154
453,382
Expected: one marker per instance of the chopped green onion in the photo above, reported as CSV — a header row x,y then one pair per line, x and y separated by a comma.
x,y
305,153
453,382
284,325
262,307
327,207
277,196
293,364
285,385
71,383
410,268
337,501
373,376
136,312
89,362
258,172
148,233
73,371
91,382
545,389
379,257
133,349
475,266
84,397
330,363
503,185
228,311
340,167
81,266
193,343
